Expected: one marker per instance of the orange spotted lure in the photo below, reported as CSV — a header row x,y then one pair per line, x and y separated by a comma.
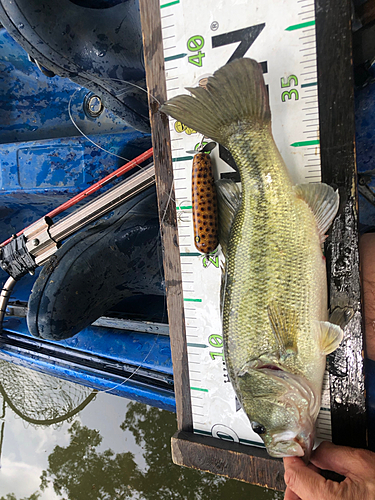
x,y
204,201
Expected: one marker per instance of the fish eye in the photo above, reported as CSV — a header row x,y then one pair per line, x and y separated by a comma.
x,y
258,428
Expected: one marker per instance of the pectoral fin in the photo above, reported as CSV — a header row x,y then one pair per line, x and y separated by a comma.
x,y
228,202
222,287
284,325
330,337
323,201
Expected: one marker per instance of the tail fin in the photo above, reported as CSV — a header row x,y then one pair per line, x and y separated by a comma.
x,y
235,93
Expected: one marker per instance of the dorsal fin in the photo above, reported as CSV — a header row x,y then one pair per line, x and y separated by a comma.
x,y
323,202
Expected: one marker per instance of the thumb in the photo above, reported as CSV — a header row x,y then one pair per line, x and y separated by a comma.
x,y
351,462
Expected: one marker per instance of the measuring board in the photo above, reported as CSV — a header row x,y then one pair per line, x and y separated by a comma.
x,y
196,42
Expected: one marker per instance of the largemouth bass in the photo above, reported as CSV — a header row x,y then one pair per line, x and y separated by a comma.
x,y
275,314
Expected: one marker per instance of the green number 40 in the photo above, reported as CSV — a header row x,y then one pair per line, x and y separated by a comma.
x,y
196,43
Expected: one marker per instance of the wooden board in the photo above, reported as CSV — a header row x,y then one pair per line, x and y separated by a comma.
x,y
154,66
338,167
337,145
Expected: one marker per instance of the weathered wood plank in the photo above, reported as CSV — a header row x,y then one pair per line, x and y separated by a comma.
x,y
337,143
232,460
155,77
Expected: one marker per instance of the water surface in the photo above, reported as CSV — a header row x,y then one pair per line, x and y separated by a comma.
x,y
113,448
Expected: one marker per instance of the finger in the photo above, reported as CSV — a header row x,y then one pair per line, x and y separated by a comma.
x,y
290,495
344,460
302,480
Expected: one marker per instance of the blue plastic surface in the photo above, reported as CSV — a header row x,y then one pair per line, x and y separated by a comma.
x,y
146,350
44,161
125,388
365,149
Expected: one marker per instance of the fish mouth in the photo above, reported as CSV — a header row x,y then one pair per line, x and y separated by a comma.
x,y
296,446
269,366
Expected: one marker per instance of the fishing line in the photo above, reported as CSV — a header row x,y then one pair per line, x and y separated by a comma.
x,y
135,371
88,138
170,197
134,85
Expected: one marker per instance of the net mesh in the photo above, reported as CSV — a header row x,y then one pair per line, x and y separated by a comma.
x,y
41,399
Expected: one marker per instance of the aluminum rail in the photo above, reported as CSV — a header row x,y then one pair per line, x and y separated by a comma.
x,y
43,237
103,204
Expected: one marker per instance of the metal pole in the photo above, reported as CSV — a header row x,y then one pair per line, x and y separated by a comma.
x,y
4,298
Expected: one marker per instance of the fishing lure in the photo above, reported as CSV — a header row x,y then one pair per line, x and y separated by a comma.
x,y
204,201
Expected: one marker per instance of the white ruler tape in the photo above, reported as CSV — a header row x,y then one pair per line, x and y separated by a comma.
x,y
199,38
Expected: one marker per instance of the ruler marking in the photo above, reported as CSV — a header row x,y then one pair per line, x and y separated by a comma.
x,y
300,25
176,56
169,4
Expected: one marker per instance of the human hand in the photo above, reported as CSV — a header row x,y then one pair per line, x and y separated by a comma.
x,y
304,482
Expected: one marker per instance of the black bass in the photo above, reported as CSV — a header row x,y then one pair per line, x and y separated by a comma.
x,y
275,319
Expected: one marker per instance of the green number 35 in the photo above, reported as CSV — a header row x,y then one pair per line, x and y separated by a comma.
x,y
288,83
289,93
